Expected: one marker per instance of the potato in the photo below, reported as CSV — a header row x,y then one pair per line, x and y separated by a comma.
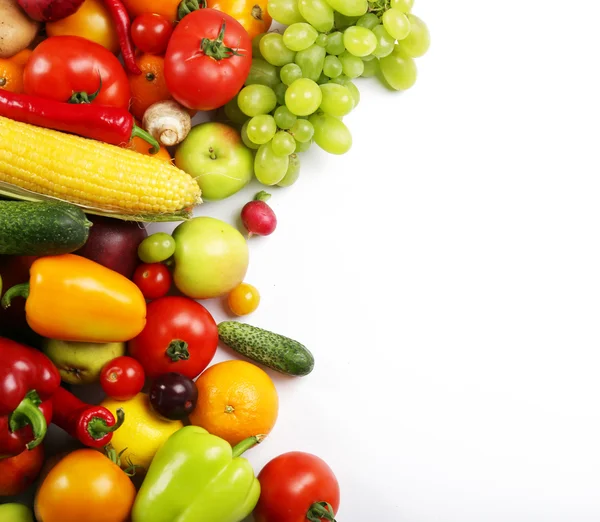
x,y
17,30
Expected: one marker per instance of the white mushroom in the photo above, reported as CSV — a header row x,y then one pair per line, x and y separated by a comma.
x,y
168,122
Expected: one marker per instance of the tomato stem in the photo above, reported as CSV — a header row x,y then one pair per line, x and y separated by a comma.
x,y
189,6
84,97
178,350
216,49
319,511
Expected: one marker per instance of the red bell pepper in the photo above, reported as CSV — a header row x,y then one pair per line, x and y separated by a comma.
x,y
91,425
28,379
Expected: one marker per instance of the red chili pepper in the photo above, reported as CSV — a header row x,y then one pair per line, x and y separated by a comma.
x,y
123,25
27,380
91,425
108,124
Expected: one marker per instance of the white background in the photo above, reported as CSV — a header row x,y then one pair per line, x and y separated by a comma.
x,y
446,275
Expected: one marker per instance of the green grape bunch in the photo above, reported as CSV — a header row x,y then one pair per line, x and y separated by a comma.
x,y
302,81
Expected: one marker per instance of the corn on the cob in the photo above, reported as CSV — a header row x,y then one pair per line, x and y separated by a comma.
x,y
37,163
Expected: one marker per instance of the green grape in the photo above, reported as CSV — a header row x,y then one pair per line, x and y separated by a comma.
x,y
352,66
322,40
283,144
262,73
261,129
257,99
337,100
371,68
234,113
284,118
342,22
269,168
341,80
417,42
256,45
274,50
290,73
368,21
311,61
302,131
331,134
385,42
335,43
368,58
399,70
349,7
359,41
354,92
303,146
332,66
396,23
404,5
303,97
246,139
317,13
298,37
323,79
280,91
286,12
293,172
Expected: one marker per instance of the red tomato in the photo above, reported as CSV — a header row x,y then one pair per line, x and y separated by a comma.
x,y
122,378
180,336
62,66
208,60
151,32
295,485
18,473
153,279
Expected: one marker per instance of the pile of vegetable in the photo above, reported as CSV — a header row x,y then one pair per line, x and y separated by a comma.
x,y
97,99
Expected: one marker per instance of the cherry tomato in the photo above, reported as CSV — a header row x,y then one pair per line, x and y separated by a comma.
x,y
85,485
252,14
208,60
62,66
180,336
294,486
243,299
92,21
122,378
154,280
151,32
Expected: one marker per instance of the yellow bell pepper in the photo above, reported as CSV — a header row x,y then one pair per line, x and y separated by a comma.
x,y
72,298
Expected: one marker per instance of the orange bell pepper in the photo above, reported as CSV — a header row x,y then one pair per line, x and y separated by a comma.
x,y
72,298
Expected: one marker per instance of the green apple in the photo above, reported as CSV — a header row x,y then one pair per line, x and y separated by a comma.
x,y
15,513
81,363
215,155
211,258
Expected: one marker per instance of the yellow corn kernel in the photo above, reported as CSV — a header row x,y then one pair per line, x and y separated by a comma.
x,y
93,175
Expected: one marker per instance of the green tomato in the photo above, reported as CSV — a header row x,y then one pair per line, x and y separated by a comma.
x,y
211,258
156,248
15,513
215,155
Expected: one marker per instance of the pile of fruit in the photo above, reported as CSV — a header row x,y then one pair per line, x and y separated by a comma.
x,y
97,104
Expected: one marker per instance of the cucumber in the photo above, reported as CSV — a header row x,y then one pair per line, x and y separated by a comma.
x,y
273,350
44,228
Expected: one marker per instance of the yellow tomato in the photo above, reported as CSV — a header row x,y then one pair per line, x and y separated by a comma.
x,y
142,433
92,21
252,14
243,299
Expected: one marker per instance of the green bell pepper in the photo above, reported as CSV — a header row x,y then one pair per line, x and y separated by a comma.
x,y
196,477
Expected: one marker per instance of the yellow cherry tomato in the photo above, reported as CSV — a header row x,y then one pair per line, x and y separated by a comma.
x,y
92,21
243,299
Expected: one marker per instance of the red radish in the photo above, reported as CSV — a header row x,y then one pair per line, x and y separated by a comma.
x,y
50,10
258,217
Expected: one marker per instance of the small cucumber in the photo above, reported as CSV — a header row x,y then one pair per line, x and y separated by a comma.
x,y
273,350
44,228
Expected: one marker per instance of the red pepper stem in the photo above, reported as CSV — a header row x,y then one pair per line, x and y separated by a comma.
x,y
97,427
27,412
246,444
319,511
178,350
138,132
216,48
21,290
